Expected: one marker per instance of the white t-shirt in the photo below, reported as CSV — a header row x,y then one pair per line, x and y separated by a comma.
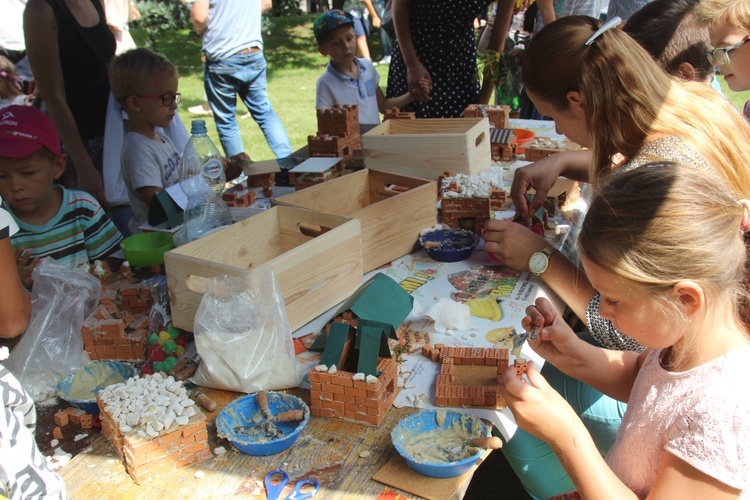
x,y
336,88
147,162
11,28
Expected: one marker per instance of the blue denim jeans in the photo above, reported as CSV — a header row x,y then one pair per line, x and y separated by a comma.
x,y
243,75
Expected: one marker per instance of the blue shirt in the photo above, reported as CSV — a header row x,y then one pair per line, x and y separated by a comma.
x,y
233,25
336,88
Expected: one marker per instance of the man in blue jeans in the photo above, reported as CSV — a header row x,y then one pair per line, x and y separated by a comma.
x,y
233,46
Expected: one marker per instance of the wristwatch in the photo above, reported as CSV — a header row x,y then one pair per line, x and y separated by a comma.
x,y
539,261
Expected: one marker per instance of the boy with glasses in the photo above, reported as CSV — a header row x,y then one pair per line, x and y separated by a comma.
x,y
729,27
145,85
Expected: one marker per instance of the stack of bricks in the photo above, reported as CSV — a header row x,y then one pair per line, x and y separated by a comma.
x,y
449,394
397,114
265,181
503,144
146,457
117,329
498,115
469,212
338,395
338,133
542,147
238,196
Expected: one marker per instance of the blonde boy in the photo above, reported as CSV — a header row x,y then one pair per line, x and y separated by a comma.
x,y
145,85
729,28
349,79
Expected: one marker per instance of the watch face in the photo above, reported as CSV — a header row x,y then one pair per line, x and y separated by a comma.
x,y
538,263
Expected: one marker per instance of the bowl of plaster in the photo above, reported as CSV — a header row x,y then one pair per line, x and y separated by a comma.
x,y
437,443
243,424
80,387
448,245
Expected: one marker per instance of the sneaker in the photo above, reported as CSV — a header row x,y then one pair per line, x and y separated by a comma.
x,y
201,110
385,60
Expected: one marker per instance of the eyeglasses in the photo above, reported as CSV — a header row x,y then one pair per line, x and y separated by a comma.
x,y
720,56
166,99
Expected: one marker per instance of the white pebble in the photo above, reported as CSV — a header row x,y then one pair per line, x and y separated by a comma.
x,y
199,475
332,369
364,454
79,437
359,376
54,443
371,379
321,368
219,450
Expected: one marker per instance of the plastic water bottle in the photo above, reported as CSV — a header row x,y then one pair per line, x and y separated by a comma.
x,y
202,179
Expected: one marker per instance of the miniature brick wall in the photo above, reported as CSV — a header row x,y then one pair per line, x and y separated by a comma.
x,y
117,329
497,114
238,196
397,114
145,458
536,149
342,121
338,395
449,394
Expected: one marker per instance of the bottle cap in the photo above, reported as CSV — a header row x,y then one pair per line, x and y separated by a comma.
x,y
198,127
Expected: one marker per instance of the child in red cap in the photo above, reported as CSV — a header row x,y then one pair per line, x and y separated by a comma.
x,y
68,225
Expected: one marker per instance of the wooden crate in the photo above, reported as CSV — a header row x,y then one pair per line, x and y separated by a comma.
x,y
317,259
428,147
391,219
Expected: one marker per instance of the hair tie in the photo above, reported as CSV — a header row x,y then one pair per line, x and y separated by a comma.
x,y
745,223
605,27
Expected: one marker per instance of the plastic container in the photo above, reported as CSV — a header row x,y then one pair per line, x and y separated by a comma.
x,y
425,421
449,245
146,249
523,136
239,414
202,179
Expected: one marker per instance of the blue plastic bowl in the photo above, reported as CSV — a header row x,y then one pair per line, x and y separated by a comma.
x,y
425,421
89,405
449,245
239,414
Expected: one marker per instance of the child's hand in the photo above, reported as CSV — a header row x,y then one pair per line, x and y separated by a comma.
x,y
556,340
26,265
537,407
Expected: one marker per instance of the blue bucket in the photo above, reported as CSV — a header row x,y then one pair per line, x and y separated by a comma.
x,y
89,405
425,421
238,415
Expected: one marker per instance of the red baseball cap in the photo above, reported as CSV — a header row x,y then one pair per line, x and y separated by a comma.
x,y
25,129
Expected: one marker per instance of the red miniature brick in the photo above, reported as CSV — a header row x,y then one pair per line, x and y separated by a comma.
x,y
61,418
57,433
466,396
454,395
74,414
441,395
86,421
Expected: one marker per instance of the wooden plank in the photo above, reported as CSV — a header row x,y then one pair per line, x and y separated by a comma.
x,y
328,450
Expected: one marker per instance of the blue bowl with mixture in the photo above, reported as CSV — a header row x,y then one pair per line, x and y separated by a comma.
x,y
449,245
80,387
435,443
243,424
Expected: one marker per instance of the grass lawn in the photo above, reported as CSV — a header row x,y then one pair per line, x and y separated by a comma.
x,y
294,66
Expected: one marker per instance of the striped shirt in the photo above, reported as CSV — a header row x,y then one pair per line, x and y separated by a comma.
x,y
80,232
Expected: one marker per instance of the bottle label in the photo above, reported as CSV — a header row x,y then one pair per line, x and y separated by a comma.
x,y
212,168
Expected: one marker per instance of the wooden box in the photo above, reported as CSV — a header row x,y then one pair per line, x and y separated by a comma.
x,y
392,210
428,147
316,257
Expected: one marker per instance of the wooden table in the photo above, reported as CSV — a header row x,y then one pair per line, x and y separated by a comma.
x,y
328,450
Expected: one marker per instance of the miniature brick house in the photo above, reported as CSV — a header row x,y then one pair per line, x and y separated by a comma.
x,y
364,384
238,196
469,212
448,390
542,147
498,115
338,133
302,179
117,329
503,144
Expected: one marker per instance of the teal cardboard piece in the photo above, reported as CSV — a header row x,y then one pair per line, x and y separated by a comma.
x,y
335,345
162,209
379,299
383,351
370,339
